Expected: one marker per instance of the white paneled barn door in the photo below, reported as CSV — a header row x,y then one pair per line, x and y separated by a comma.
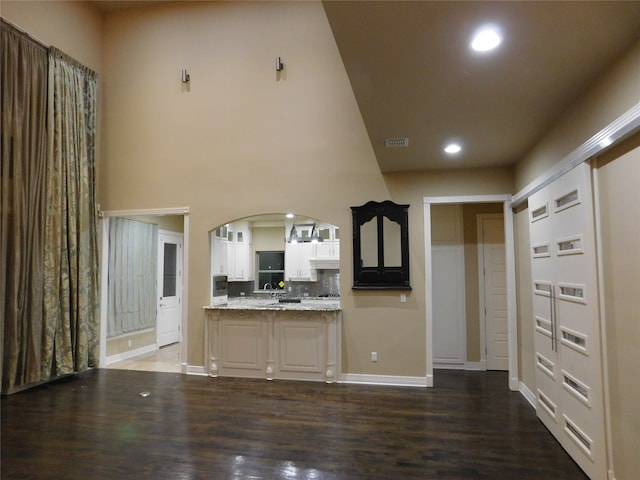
x,y
569,391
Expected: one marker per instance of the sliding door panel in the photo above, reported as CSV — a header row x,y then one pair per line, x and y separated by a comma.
x,y
566,318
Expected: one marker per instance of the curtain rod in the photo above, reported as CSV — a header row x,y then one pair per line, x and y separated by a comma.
x,y
22,30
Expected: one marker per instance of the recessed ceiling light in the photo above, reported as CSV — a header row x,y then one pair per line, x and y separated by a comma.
x,y
453,148
486,39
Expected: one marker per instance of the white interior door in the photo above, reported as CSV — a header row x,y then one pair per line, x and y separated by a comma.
x,y
449,313
493,289
566,318
169,316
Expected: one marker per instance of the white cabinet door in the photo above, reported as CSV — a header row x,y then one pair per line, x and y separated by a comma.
x,y
239,252
232,262
329,248
566,318
219,256
242,262
297,262
325,250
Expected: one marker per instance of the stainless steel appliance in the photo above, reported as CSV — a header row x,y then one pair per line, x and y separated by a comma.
x,y
220,292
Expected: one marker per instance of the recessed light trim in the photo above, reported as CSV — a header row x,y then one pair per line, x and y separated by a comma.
x,y
487,38
452,149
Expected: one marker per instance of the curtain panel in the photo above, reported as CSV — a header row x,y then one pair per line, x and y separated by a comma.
x,y
133,254
71,256
23,161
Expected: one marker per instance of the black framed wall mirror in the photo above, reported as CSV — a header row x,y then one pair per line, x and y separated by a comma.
x,y
381,246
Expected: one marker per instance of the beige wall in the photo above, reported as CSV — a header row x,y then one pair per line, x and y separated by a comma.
x,y
524,300
171,223
241,140
238,140
120,344
411,188
618,182
614,94
73,27
268,238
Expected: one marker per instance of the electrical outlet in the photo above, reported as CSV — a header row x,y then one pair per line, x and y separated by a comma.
x,y
374,356
129,343
403,298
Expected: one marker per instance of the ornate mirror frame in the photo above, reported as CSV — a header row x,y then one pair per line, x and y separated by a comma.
x,y
379,274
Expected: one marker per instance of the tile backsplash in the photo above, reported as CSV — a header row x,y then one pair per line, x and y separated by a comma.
x,y
328,284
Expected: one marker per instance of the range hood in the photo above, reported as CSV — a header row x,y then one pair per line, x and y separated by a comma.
x,y
324,263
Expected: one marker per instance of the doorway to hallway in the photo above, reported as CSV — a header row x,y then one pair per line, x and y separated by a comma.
x,y
161,345
483,333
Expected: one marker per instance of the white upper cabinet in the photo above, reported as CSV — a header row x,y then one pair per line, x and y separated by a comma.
x,y
219,261
329,248
297,265
297,255
232,252
240,252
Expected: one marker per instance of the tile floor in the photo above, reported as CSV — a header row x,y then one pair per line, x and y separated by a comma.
x,y
165,359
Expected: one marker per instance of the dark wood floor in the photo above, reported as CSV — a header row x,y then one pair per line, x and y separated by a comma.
x,y
98,426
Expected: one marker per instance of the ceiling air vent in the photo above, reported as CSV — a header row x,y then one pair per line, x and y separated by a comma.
x,y
396,142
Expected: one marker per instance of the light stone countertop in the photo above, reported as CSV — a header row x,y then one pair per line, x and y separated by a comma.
x,y
312,304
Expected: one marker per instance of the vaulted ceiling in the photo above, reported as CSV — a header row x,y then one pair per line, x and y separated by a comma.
x,y
415,77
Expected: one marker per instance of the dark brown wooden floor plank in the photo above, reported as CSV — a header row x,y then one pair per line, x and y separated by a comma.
x,y
98,426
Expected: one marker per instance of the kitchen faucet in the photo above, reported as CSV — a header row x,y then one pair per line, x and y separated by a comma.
x,y
274,291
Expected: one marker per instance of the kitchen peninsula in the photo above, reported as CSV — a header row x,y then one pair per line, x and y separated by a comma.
x,y
274,338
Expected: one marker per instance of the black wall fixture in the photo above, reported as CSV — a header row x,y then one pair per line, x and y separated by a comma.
x,y
381,246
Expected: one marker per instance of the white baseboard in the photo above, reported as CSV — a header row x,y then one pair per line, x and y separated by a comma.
x,y
527,394
480,366
131,354
194,370
429,381
514,384
388,380
449,366
476,366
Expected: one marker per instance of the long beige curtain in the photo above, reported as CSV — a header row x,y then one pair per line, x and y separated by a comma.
x,y
23,158
71,300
